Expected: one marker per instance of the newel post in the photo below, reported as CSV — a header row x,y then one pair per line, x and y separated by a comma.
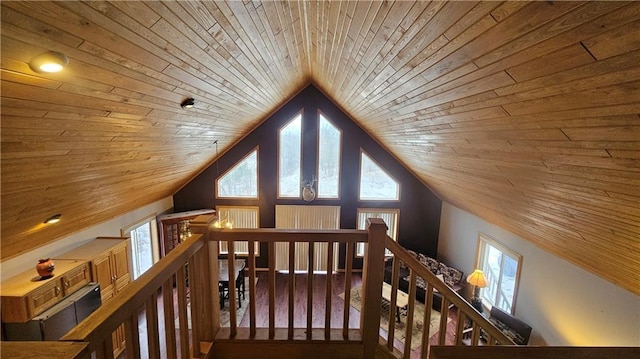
x,y
372,285
205,287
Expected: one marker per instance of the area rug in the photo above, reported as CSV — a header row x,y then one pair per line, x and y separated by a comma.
x,y
400,327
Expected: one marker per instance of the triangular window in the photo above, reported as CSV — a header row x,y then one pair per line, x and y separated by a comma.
x,y
375,183
241,181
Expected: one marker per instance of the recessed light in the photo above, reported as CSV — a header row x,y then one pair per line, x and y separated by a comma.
x,y
49,62
53,219
188,103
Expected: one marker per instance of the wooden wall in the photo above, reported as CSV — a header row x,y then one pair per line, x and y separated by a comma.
x,y
419,219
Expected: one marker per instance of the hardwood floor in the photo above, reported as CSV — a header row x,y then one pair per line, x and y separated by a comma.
x,y
300,304
300,308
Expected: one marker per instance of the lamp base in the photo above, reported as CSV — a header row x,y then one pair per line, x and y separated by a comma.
x,y
476,302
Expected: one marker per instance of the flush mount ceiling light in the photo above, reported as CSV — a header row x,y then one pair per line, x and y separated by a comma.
x,y
49,62
53,219
188,103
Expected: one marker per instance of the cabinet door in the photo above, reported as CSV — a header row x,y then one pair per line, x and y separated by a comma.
x,y
120,258
75,279
44,297
102,273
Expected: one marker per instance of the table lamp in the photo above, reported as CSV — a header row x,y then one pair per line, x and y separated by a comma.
x,y
477,280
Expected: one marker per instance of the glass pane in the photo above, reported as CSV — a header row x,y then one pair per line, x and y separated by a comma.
x,y
508,283
242,179
500,268
289,164
143,255
375,183
330,140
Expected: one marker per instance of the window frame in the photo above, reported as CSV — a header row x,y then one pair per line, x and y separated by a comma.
x,y
398,192
151,221
278,194
236,252
484,241
359,250
217,181
340,147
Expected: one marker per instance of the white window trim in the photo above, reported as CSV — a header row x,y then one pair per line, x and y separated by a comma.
x,y
485,239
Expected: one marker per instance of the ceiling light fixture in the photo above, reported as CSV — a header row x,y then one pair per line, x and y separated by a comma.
x,y
188,103
49,62
53,219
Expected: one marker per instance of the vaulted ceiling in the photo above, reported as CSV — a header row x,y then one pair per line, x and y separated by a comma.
x,y
525,114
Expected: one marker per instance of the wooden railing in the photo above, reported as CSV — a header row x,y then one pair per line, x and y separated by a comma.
x,y
466,314
187,268
192,268
294,341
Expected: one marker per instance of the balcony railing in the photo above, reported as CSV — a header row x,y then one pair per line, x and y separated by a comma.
x,y
189,274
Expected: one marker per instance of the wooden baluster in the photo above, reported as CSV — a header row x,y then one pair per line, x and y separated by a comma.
x,y
347,289
329,292
194,297
292,287
395,273
444,314
151,306
105,349
427,321
132,336
475,338
231,256
311,265
460,327
272,290
252,288
182,312
169,319
410,307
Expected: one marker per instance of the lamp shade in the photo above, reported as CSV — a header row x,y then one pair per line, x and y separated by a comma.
x,y
477,279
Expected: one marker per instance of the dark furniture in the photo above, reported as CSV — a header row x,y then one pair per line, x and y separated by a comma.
x,y
223,279
451,276
514,328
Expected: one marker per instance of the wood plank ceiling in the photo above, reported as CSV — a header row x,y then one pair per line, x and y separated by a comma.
x,y
523,113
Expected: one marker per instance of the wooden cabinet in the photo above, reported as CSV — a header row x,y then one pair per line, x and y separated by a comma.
x,y
27,295
169,227
109,259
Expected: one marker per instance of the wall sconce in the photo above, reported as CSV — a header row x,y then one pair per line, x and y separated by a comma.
x,y
188,103
49,62
53,219
225,223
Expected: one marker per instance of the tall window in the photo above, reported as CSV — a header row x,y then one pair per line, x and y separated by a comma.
x,y
144,244
290,159
390,218
329,145
375,183
241,181
238,217
501,267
